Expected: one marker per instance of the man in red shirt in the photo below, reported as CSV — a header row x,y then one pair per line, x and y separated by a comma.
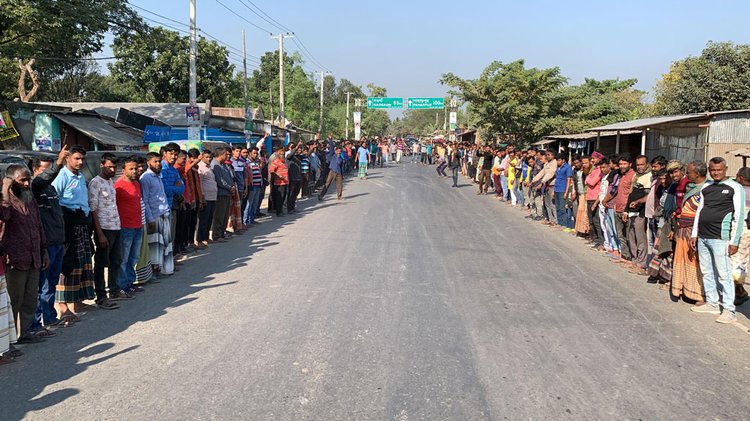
x,y
279,174
128,194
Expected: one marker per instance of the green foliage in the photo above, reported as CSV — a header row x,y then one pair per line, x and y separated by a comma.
x,y
154,65
718,79
56,33
302,97
509,99
520,105
418,122
576,108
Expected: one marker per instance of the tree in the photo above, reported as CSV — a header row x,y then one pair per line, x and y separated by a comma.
x,y
718,79
418,122
301,104
375,122
508,99
574,109
346,86
154,65
44,38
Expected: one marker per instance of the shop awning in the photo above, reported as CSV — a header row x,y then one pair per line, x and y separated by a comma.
x,y
544,142
99,130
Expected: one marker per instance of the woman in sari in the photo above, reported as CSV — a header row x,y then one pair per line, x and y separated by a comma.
x,y
582,217
7,324
687,281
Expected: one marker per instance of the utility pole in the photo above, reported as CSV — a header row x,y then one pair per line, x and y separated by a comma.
x,y
270,103
244,69
281,73
445,116
193,53
347,114
322,84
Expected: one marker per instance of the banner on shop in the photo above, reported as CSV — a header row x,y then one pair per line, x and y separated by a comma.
x,y
8,132
46,133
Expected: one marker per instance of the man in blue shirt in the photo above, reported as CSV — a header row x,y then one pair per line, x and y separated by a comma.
x,y
362,160
77,281
170,177
157,216
71,184
563,177
173,185
336,172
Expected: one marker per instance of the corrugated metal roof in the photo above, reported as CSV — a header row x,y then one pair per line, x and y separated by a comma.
x,y
730,128
466,133
99,130
544,142
643,123
172,114
590,135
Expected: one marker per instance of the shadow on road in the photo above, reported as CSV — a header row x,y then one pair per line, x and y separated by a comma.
x,y
26,384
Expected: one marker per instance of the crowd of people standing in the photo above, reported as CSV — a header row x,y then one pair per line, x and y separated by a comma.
x,y
66,241
683,226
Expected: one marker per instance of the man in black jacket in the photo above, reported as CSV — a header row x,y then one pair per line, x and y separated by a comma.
x,y
45,170
225,187
486,174
294,167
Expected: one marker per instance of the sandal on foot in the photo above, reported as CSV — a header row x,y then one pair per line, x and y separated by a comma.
x,y
15,353
44,333
107,304
56,323
69,319
29,339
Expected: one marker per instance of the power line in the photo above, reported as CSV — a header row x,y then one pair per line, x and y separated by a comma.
x,y
260,16
178,30
311,55
243,18
229,46
301,46
307,53
278,24
236,50
161,16
75,58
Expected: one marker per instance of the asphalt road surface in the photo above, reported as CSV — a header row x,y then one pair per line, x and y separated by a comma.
x,y
408,300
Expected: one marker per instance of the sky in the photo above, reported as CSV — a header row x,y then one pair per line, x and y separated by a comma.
x,y
405,46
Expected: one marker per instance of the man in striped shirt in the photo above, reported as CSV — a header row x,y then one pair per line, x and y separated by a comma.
x,y
717,229
254,188
305,168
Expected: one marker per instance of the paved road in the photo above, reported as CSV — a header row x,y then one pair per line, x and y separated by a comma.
x,y
408,300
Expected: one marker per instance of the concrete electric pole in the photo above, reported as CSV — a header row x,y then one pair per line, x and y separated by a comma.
x,y
244,70
281,74
347,114
193,53
322,84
